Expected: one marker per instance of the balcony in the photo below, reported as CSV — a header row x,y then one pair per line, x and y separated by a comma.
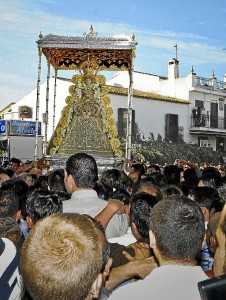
x,y
206,124
206,83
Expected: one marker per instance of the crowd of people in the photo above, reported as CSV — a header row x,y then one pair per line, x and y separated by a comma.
x,y
148,231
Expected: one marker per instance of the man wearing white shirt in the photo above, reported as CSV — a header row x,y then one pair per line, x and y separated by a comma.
x,y
176,237
80,179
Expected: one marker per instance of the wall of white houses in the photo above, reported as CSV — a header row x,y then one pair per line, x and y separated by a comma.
x,y
186,94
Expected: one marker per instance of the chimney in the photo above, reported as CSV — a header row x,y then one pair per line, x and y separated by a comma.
x,y
213,81
192,78
173,68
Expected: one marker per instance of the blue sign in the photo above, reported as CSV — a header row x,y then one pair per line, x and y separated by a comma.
x,y
18,127
3,127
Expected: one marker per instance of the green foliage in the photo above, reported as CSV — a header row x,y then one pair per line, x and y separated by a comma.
x,y
162,151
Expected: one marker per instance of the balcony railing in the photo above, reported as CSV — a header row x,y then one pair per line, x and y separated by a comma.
x,y
202,81
207,84
208,122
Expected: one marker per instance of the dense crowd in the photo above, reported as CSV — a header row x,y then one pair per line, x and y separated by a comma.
x,y
147,231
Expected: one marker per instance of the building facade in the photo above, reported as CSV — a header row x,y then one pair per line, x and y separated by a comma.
x,y
202,122
189,107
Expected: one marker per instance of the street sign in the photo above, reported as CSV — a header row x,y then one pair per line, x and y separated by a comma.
x,y
3,127
18,127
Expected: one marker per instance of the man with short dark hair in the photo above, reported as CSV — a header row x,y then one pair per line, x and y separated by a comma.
x,y
172,173
136,172
9,205
62,258
80,179
153,169
14,163
10,229
56,180
141,205
176,237
41,203
207,198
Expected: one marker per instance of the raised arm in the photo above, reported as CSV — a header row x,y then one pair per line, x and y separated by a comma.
x,y
35,164
113,207
133,269
190,164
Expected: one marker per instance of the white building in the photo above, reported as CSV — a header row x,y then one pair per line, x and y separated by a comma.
x,y
203,121
191,106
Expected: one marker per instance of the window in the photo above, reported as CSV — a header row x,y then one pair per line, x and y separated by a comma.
x,y
214,115
171,127
199,103
203,141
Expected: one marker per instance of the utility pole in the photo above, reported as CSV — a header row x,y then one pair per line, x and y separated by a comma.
x,y
176,50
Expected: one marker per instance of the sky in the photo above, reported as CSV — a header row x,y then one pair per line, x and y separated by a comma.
x,y
198,28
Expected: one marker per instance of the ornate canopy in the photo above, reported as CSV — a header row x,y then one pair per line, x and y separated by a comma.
x,y
89,54
70,53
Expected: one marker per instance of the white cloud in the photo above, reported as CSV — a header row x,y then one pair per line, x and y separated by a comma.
x,y
22,21
178,35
